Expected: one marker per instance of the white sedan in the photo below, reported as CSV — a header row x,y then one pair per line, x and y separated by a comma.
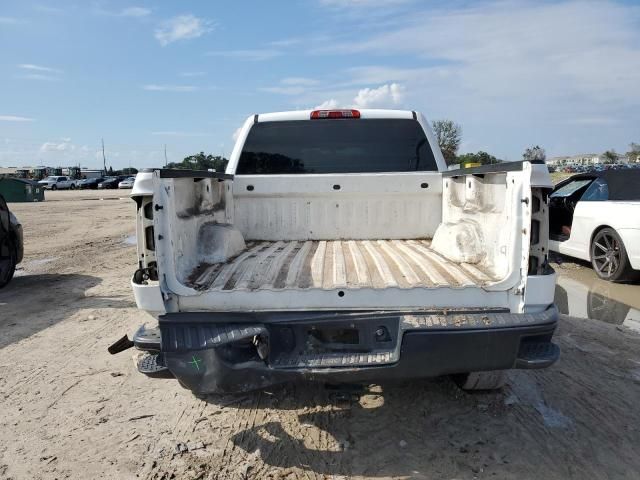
x,y
596,217
127,182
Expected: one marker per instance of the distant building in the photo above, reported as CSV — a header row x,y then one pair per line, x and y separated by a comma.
x,y
8,171
41,171
585,159
87,173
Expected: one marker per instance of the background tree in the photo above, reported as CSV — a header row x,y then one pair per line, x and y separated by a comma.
x,y
200,161
633,155
610,156
534,153
481,157
448,134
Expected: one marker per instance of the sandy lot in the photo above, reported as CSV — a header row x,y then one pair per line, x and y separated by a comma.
x,y
70,410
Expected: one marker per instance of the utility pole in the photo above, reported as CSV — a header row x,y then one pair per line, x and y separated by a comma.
x,y
104,159
166,162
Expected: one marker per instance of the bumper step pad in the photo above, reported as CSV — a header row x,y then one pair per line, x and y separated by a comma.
x,y
537,355
148,363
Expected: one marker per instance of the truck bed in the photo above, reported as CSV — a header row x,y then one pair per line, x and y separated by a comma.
x,y
350,264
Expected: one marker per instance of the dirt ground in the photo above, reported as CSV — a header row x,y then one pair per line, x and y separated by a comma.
x,y
71,410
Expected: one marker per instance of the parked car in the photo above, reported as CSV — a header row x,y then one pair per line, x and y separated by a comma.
x,y
596,217
111,182
339,248
58,183
90,183
127,182
11,243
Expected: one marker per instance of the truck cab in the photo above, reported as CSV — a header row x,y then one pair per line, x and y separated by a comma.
x,y
338,247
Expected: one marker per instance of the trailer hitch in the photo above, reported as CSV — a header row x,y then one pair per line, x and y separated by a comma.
x,y
120,345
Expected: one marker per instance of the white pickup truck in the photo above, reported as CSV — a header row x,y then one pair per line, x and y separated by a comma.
x,y
58,182
338,248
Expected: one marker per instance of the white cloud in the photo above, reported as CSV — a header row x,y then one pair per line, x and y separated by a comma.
x,y
182,27
38,68
502,56
521,67
15,118
170,88
330,104
192,74
9,21
64,145
256,55
135,12
39,72
382,97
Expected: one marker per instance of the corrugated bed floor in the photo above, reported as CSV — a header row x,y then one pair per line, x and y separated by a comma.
x,y
336,264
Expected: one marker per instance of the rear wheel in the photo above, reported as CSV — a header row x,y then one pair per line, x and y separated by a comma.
x,y
7,262
609,257
73,187
491,380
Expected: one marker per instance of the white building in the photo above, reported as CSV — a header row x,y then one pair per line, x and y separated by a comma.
x,y
584,159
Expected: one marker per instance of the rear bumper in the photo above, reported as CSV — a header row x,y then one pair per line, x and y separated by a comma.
x,y
212,353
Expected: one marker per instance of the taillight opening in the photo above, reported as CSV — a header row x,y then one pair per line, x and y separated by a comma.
x,y
331,114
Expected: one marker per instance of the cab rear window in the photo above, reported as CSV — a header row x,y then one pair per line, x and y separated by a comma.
x,y
336,146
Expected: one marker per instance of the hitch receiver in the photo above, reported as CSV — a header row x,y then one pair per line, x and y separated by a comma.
x,y
120,345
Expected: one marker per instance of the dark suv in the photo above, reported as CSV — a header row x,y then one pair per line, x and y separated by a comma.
x,y
11,246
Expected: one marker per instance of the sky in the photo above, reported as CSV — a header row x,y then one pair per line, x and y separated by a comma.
x,y
564,75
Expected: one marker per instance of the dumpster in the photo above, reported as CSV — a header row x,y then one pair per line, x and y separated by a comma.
x,y
21,190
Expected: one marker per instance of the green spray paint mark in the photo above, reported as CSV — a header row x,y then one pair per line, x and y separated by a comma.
x,y
195,362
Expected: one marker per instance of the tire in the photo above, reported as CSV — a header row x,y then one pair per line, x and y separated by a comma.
x,y
491,380
72,187
609,257
7,265
53,187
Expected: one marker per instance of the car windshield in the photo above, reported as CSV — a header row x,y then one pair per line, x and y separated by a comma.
x,y
50,179
336,146
571,187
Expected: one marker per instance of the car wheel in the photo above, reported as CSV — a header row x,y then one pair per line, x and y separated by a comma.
x,y
53,187
609,257
72,187
491,380
7,263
